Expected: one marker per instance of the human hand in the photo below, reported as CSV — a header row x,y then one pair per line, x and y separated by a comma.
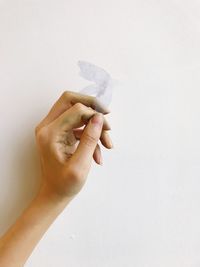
x,y
65,164
66,150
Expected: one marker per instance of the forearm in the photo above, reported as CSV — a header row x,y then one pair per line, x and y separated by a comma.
x,y
66,154
20,240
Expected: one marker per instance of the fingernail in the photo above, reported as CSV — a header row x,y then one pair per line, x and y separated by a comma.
x,y
97,119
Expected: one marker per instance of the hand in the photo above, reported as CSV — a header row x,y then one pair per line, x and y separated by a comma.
x,y
66,150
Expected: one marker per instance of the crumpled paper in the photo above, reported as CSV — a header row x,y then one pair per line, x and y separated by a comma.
x,y
102,86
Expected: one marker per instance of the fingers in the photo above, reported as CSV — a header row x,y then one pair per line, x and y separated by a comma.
x,y
67,100
89,101
97,155
75,117
88,143
105,138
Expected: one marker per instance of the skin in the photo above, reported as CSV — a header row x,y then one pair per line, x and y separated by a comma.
x,y
67,141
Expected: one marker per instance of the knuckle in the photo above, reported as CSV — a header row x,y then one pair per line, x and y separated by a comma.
x,y
65,94
79,107
41,135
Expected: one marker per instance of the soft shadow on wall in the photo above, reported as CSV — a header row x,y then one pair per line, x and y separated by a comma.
x,y
26,179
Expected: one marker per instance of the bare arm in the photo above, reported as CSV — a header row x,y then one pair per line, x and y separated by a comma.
x,y
19,242
66,153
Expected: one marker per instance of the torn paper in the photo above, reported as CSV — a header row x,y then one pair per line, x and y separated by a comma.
x,y
102,85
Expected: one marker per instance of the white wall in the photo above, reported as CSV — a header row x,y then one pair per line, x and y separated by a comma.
x,y
141,209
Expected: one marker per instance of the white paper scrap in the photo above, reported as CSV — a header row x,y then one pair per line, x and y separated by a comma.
x,y
102,85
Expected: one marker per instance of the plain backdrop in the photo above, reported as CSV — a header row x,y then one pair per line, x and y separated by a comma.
x,y
142,207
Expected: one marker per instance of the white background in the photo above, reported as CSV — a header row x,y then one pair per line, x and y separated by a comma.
x,y
142,208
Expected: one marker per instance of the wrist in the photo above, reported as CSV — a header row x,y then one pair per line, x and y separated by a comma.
x,y
47,195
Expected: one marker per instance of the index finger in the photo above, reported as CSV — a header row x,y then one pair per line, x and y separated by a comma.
x,y
87,100
67,100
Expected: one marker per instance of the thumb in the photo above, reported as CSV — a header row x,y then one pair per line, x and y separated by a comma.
x,y
88,142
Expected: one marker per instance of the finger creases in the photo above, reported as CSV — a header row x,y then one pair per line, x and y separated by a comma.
x,y
105,138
